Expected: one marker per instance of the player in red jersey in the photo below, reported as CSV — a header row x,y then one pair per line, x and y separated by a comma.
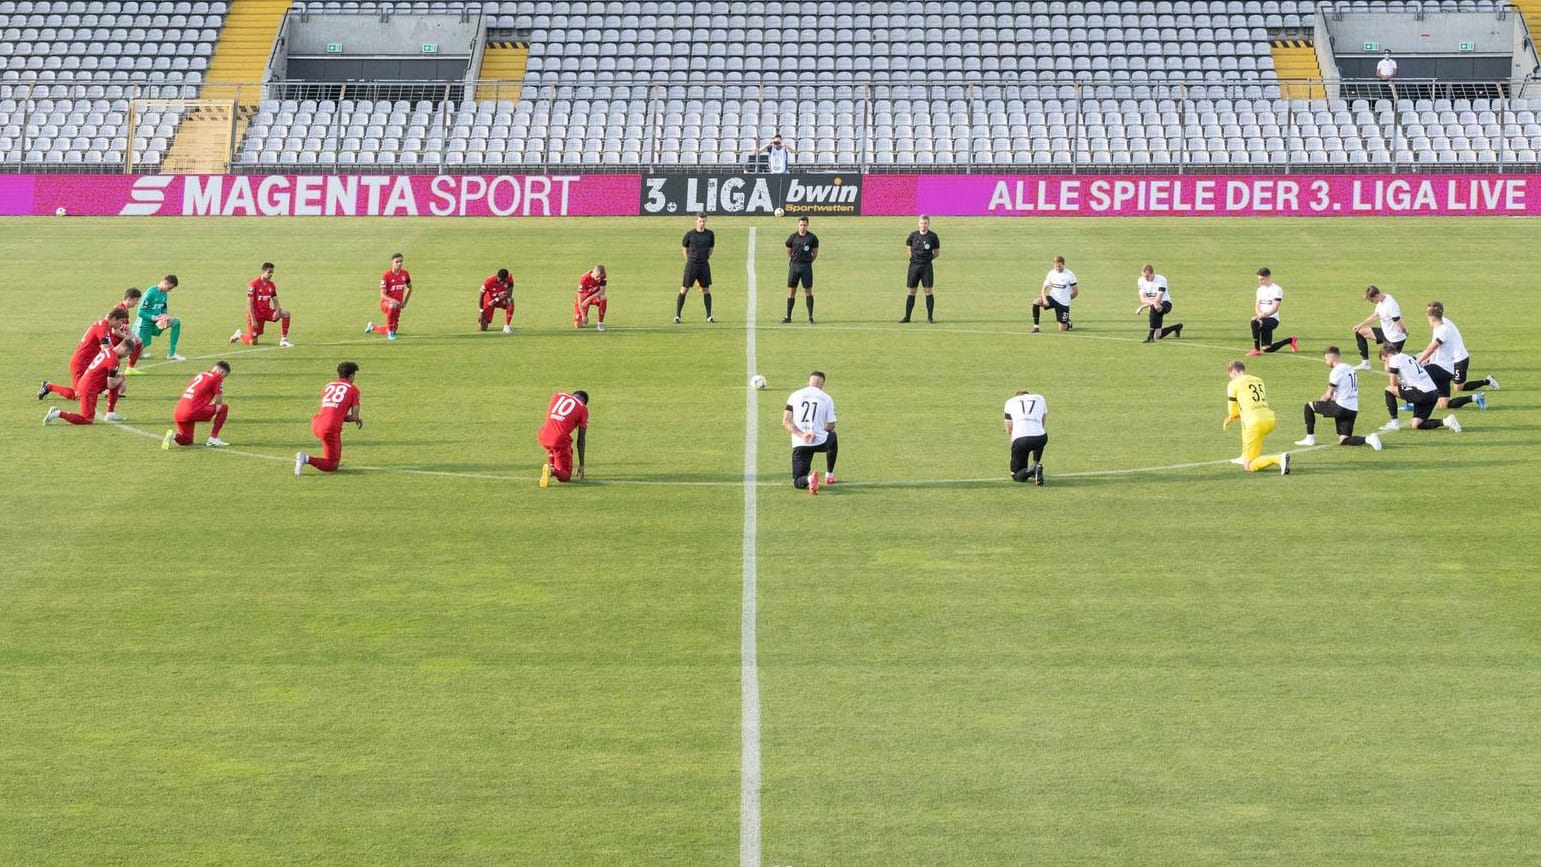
x,y
339,403
591,293
203,400
99,376
128,305
566,412
262,308
395,292
497,291
103,334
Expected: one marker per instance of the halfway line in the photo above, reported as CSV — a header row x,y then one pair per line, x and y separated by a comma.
x,y
749,665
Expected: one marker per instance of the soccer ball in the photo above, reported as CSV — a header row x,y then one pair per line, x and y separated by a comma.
x,y
780,212
59,212
758,382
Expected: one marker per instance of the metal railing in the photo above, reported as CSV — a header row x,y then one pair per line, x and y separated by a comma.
x,y
898,126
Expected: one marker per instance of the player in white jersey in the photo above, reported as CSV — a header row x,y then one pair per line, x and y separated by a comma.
x,y
1156,298
1025,412
1446,360
810,418
1340,403
1411,383
1389,330
1059,289
1265,316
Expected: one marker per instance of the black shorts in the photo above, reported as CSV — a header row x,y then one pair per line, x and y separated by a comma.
x,y
697,272
1380,337
1158,311
1061,311
1460,371
1423,401
1026,451
802,456
800,273
1343,418
920,275
1441,377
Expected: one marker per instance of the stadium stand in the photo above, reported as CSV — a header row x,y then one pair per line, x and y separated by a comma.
x,y
71,70
610,85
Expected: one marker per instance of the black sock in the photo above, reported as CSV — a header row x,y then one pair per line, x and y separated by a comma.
x,y
791,301
679,305
1456,402
707,298
909,305
1151,334
1473,384
1364,346
930,305
1036,311
1310,421
1352,441
1430,424
808,300
1277,345
1391,404
834,451
1170,329
1257,335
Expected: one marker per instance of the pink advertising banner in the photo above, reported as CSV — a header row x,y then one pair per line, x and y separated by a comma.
x,y
321,195
1202,195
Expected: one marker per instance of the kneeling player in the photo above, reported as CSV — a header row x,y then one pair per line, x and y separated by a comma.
x,y
1340,403
339,404
103,334
100,375
1059,289
202,400
155,318
591,293
1025,413
262,308
1389,331
1411,383
1157,299
564,414
128,305
809,416
1446,360
497,291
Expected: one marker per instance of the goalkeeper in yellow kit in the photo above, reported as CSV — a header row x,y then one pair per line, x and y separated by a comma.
x,y
1247,400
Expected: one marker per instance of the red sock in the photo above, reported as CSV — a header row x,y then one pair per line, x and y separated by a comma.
x,y
486,315
508,314
74,418
219,419
63,391
133,355
112,399
393,319
283,327
382,329
603,303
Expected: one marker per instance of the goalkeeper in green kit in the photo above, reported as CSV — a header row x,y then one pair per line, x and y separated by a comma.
x,y
154,321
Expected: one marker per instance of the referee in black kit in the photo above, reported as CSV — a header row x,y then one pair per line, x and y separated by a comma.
x,y
696,247
802,249
924,247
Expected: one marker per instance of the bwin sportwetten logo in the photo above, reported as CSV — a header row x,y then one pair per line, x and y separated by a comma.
x,y
836,196
147,196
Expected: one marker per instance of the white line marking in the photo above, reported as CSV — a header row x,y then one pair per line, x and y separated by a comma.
x,y
749,665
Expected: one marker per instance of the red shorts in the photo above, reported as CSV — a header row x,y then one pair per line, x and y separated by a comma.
x,y
496,299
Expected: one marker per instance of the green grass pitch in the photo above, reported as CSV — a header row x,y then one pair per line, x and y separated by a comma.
x,y
1156,659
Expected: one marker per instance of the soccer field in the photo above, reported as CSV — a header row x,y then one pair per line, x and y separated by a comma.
x,y
1155,659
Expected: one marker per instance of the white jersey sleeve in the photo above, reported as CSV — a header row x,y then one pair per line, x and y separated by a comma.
x,y
1026,412
812,409
1345,386
1154,290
